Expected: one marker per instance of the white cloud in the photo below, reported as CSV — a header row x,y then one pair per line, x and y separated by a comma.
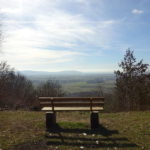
x,y
137,11
31,58
10,11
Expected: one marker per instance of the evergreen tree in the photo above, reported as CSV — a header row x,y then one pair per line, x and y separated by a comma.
x,y
132,83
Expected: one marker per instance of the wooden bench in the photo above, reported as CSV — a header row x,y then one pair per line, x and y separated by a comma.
x,y
55,104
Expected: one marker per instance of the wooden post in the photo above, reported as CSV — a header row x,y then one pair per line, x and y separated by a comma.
x,y
91,104
94,120
50,120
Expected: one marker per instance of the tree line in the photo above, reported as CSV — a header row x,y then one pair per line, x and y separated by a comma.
x,y
16,91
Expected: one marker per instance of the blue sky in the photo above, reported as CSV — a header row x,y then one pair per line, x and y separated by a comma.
x,y
83,35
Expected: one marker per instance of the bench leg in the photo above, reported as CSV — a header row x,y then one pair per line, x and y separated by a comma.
x,y
50,120
94,120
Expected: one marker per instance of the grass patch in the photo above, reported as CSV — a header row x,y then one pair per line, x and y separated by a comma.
x,y
72,125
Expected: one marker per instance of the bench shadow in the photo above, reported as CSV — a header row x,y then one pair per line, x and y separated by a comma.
x,y
58,136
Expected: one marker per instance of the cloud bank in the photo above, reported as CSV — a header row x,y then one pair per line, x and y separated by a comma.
x,y
39,32
52,35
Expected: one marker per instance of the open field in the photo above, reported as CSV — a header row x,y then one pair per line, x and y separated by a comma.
x,y
22,130
73,84
76,87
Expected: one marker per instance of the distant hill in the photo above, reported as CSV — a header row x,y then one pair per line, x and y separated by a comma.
x,y
70,72
30,72
61,73
33,73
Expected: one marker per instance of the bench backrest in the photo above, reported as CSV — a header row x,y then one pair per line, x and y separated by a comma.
x,y
72,103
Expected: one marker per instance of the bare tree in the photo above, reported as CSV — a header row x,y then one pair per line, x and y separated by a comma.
x,y
100,91
50,88
23,91
6,75
15,89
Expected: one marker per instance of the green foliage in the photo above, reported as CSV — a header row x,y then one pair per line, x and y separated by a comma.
x,y
132,83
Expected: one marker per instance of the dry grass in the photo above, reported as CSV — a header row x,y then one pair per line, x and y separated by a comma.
x,y
22,130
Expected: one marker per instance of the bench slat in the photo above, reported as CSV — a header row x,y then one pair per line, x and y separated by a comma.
x,y
71,104
71,98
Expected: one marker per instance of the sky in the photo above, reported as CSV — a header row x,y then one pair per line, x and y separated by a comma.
x,y
82,35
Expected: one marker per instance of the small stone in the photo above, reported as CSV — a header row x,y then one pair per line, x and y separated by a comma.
x,y
143,147
84,134
93,134
97,142
81,147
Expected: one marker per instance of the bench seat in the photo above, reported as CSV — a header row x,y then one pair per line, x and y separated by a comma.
x,y
72,109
